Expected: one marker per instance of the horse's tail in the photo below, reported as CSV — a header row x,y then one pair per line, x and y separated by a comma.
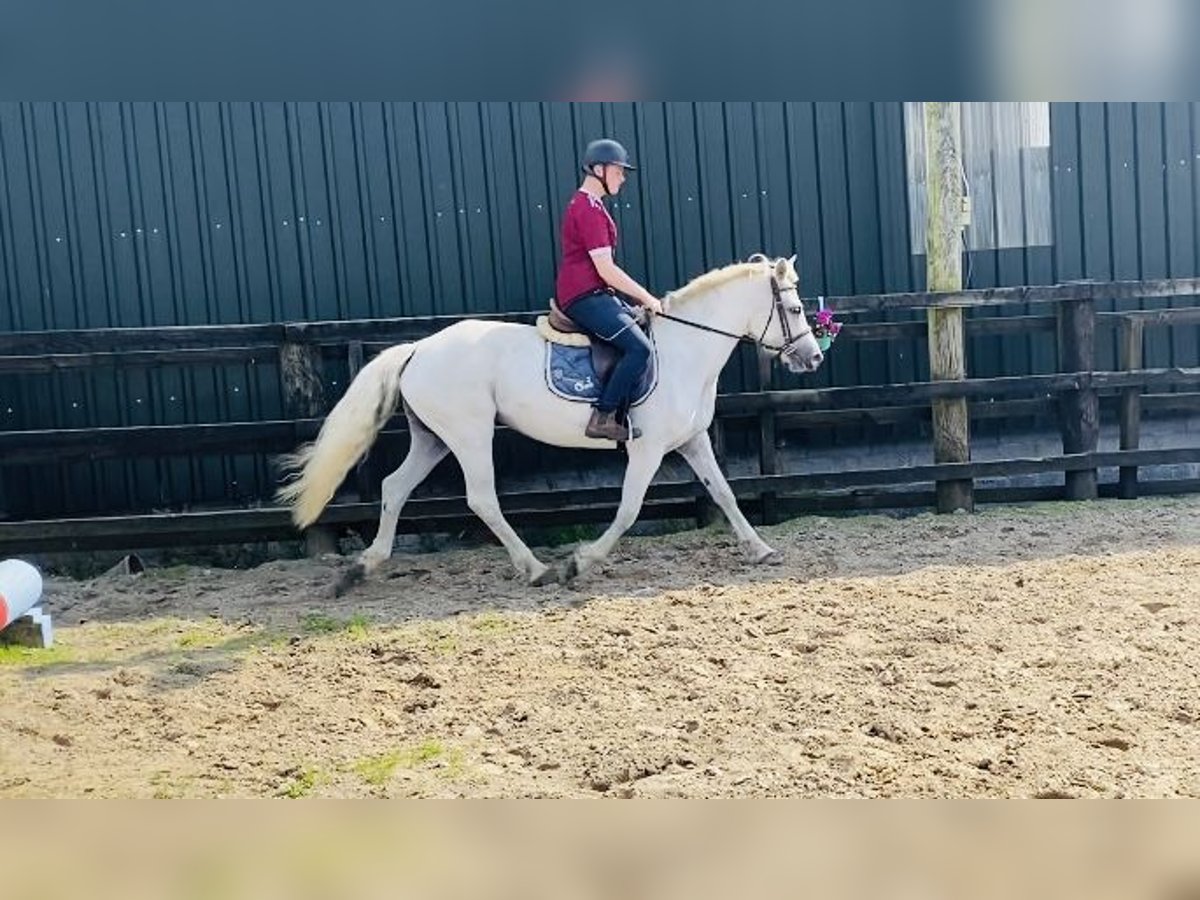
x,y
347,433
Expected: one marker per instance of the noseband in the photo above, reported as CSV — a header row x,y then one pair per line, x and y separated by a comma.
x,y
789,339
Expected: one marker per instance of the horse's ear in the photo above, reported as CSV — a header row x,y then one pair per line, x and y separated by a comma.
x,y
792,260
782,266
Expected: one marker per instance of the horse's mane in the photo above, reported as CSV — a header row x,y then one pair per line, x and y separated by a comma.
x,y
757,265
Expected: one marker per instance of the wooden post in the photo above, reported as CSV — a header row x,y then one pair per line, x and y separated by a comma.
x,y
1131,404
1079,410
943,254
768,456
304,398
303,387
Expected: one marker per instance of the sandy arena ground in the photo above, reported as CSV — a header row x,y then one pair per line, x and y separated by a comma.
x,y
1048,651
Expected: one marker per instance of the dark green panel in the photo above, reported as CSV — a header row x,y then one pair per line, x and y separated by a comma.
x,y
24,261
472,143
735,198
715,187
657,198
1065,188
348,211
805,195
689,225
535,198
513,290
895,258
379,231
409,211
1095,226
770,134
863,202
1092,211
1182,208
1150,236
832,172
1122,168
332,210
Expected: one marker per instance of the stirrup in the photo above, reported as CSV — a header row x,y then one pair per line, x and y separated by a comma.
x,y
606,427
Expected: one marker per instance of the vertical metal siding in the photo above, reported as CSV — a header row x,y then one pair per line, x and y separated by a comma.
x,y
190,213
1125,201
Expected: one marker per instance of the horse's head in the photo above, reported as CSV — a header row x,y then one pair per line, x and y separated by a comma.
x,y
780,325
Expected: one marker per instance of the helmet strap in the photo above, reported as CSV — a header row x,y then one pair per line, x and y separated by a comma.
x,y
603,179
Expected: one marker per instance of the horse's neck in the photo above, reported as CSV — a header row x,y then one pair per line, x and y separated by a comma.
x,y
702,352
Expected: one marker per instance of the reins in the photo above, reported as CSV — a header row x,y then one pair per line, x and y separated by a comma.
x,y
776,306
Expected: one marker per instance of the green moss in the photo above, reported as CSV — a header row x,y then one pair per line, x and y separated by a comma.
x,y
36,657
378,770
318,623
302,785
492,622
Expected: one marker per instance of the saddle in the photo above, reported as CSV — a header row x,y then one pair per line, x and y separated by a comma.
x,y
559,328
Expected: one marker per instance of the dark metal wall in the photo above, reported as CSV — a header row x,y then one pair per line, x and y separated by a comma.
x,y
1126,200
125,214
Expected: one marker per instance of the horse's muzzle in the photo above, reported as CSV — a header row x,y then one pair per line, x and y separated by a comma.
x,y
800,364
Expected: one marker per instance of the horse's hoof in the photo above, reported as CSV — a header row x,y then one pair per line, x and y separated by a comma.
x,y
354,575
544,577
770,558
569,571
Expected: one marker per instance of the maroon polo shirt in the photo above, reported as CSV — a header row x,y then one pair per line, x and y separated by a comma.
x,y
586,226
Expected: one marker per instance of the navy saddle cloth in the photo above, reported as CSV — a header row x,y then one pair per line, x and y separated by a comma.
x,y
579,373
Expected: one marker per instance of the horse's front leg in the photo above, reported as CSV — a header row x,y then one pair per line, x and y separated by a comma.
x,y
644,461
699,454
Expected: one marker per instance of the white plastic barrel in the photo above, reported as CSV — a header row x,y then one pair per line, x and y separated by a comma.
x,y
20,589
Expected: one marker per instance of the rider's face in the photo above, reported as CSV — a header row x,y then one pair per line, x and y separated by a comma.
x,y
615,175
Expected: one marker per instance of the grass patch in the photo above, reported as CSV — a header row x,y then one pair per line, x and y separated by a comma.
x,y
250,641
1042,508
492,622
201,639
179,572
319,623
358,625
169,785
444,644
36,657
433,637
302,785
131,643
377,770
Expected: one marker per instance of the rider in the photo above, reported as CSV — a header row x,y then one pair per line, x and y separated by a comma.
x,y
590,284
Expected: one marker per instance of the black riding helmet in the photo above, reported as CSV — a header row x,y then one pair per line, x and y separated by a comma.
x,y
606,152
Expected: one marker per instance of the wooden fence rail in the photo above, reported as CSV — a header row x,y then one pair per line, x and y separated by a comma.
x,y
1075,396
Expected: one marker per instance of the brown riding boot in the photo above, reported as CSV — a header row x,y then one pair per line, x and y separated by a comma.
x,y
605,425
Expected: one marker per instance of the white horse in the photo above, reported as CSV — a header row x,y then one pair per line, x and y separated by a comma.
x,y
457,383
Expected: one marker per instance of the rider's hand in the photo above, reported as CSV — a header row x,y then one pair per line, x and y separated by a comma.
x,y
655,305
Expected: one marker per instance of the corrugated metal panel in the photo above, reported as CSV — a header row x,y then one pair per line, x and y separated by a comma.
x,y
1126,202
189,213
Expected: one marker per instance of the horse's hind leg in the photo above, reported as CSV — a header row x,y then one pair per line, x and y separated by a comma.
x,y
644,461
425,451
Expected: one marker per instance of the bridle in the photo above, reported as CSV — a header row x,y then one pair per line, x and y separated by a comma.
x,y
789,339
